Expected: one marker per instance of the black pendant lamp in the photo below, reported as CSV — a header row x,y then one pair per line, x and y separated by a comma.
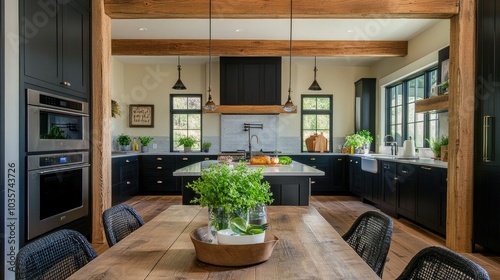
x,y
210,105
315,85
179,85
289,106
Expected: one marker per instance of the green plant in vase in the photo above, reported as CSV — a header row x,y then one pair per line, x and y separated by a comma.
x,y
229,191
187,142
206,146
145,142
123,140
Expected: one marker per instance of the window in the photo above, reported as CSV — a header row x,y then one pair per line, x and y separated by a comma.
x,y
316,117
402,120
185,119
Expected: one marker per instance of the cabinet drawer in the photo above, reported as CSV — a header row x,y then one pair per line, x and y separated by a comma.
x,y
159,184
185,160
157,169
158,159
312,159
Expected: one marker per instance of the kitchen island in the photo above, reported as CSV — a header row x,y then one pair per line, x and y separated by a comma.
x,y
290,184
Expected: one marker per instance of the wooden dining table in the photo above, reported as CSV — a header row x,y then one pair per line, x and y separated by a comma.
x,y
308,248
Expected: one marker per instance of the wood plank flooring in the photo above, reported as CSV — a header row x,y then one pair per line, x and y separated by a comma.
x,y
340,212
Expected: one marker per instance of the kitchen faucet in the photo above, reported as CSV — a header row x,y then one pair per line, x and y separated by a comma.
x,y
394,144
248,127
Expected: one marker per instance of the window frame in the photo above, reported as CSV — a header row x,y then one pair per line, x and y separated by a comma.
x,y
184,111
316,112
404,111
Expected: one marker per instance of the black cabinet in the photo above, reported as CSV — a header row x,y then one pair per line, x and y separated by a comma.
x,y
339,174
320,185
156,174
407,187
356,178
57,46
487,127
250,80
431,198
365,99
388,182
124,178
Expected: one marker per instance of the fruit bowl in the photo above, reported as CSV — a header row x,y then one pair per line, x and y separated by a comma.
x,y
231,255
227,236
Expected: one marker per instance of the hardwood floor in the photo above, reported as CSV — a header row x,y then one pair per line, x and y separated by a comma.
x,y
340,212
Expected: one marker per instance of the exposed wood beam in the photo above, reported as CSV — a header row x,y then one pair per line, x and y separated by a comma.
x,y
244,109
259,47
134,9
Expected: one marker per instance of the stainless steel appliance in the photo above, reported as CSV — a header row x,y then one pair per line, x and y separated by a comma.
x,y
58,190
56,123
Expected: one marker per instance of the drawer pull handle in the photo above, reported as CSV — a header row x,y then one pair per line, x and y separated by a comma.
x,y
127,160
487,138
356,162
159,182
314,166
159,167
425,167
395,178
339,159
350,160
128,183
206,158
68,84
159,158
404,171
313,182
313,158
184,158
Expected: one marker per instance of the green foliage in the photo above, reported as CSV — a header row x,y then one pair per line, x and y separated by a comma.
x,y
115,109
284,160
145,140
206,145
186,141
435,145
366,135
239,225
123,139
232,188
354,140
55,132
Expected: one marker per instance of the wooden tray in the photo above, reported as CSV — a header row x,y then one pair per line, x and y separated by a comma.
x,y
231,255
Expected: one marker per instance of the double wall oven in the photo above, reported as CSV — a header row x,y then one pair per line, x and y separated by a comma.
x,y
57,161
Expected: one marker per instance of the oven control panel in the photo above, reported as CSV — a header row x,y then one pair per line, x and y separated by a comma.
x,y
53,160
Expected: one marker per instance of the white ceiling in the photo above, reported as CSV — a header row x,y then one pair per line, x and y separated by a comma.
x,y
268,29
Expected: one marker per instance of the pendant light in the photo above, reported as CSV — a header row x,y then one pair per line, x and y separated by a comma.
x,y
289,106
210,105
179,85
315,85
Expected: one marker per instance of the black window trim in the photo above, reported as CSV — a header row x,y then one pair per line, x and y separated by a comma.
x,y
316,112
186,111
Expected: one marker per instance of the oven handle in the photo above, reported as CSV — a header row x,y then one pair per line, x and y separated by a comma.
x,y
64,169
64,112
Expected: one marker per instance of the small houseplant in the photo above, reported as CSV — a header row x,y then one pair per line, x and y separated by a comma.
x,y
124,141
367,139
229,191
355,141
145,142
187,142
206,146
438,145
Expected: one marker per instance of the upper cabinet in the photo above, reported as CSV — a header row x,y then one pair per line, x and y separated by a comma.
x,y
250,80
56,46
365,106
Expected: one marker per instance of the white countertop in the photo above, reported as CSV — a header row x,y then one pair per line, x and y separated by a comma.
x,y
416,161
294,169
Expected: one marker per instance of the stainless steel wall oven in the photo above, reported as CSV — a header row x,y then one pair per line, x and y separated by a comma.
x,y
56,123
58,190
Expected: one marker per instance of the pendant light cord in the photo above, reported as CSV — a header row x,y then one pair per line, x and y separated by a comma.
x,y
210,50
290,74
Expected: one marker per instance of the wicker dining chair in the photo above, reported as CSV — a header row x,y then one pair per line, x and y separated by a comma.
x,y
54,256
119,221
439,263
370,236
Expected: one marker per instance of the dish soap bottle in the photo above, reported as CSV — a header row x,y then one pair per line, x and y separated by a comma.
x,y
136,146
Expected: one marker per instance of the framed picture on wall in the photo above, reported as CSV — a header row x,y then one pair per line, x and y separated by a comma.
x,y
443,65
141,115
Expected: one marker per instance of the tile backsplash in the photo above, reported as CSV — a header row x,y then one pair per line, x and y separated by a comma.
x,y
233,136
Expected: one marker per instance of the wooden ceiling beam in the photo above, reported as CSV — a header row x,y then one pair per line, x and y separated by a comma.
x,y
244,9
259,47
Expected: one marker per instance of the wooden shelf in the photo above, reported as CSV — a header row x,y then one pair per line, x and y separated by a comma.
x,y
434,104
249,109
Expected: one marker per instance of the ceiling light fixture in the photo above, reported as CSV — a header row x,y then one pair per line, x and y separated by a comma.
x,y
289,106
210,105
315,85
179,85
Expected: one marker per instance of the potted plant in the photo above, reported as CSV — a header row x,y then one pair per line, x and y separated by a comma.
x,y
144,143
367,140
355,141
187,142
124,141
206,146
230,191
437,146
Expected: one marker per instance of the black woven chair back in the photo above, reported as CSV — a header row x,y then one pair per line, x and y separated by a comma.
x,y
370,236
54,256
439,263
119,221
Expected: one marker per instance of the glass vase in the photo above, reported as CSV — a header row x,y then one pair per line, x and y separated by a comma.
x,y
258,215
218,219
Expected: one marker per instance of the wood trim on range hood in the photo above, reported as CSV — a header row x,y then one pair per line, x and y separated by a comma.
x,y
249,109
